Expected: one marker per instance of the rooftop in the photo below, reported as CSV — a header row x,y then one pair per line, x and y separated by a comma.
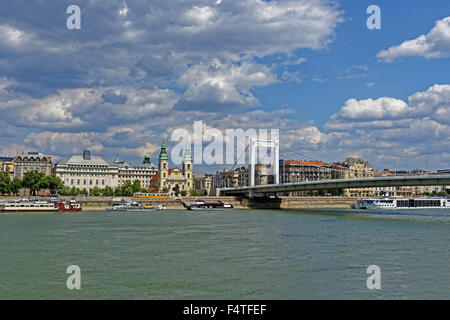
x,y
79,160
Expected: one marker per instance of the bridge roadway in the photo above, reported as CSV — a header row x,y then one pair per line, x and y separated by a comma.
x,y
396,181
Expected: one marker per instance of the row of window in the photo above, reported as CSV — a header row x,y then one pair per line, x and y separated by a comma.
x,y
85,182
85,174
25,170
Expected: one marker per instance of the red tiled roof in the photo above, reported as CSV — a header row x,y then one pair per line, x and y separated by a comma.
x,y
155,177
305,163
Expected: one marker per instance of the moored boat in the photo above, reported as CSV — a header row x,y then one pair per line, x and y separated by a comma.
x,y
199,205
26,205
69,206
413,203
129,206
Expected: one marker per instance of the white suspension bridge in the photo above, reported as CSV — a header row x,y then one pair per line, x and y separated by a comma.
x,y
361,182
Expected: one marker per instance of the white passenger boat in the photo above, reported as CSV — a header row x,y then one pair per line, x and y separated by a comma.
x,y
29,206
414,203
200,205
128,206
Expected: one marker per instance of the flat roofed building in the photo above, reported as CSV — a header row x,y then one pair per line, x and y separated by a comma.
x,y
144,172
86,171
292,171
29,161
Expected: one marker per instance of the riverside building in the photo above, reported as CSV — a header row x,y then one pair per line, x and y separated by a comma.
x,y
203,183
29,161
144,172
384,191
7,165
86,171
358,168
240,177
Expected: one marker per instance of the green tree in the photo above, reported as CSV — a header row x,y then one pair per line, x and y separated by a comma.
x,y
96,191
136,186
74,191
15,186
108,191
118,191
32,180
64,191
5,183
51,182
84,192
183,193
165,190
176,189
127,191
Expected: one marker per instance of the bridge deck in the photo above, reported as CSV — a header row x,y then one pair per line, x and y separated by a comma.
x,y
428,180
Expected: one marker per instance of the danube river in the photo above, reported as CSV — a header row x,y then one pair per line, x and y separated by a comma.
x,y
248,254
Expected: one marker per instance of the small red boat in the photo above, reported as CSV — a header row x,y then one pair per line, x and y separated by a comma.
x,y
69,206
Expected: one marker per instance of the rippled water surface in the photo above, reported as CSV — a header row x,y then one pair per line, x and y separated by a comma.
x,y
249,254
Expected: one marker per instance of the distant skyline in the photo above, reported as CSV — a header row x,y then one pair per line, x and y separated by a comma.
x,y
139,69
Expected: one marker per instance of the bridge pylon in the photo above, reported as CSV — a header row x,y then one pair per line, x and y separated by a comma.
x,y
274,145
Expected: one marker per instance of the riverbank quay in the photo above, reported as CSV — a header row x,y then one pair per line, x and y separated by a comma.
x,y
91,203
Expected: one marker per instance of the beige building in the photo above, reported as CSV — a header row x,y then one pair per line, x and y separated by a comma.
x,y
29,161
240,177
357,168
298,171
226,179
7,165
144,172
86,171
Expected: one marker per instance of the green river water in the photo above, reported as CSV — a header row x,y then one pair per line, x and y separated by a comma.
x,y
244,254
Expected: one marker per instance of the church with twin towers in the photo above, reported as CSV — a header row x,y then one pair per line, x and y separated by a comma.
x,y
166,180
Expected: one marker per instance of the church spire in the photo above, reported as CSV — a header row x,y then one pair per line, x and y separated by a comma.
x,y
187,154
163,152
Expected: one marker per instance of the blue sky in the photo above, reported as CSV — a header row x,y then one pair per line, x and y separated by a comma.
x,y
137,70
357,45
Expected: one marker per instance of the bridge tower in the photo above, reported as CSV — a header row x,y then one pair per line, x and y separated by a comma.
x,y
274,145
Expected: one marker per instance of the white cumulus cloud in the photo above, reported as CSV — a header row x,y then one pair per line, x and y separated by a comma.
x,y
434,44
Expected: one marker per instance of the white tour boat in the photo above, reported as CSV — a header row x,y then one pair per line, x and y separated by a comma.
x,y
413,203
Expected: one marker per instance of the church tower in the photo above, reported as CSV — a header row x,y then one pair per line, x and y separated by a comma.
x,y
163,167
188,169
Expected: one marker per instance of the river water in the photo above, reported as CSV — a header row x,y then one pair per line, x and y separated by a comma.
x,y
248,254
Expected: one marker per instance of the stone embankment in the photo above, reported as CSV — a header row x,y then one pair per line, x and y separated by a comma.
x,y
99,203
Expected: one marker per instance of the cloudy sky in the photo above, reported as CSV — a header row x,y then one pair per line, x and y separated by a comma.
x,y
139,69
